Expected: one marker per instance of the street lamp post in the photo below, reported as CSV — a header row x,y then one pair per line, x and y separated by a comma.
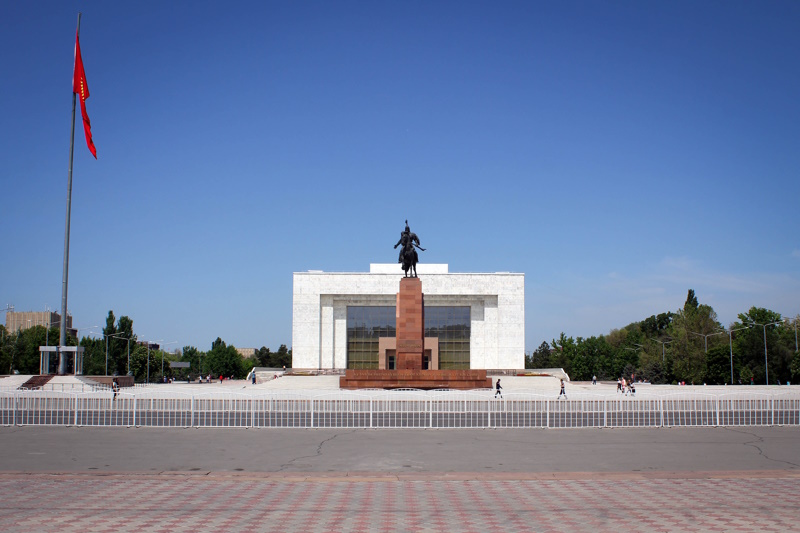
x,y
730,340
766,365
662,343
638,347
162,356
120,335
148,357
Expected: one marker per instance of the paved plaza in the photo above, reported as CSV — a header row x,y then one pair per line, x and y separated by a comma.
x,y
163,480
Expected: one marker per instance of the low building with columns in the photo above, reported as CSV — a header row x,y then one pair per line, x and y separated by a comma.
x,y
347,319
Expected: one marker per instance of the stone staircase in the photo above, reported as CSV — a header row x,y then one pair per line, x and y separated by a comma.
x,y
36,382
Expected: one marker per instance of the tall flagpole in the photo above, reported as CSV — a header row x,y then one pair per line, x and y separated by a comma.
x,y
62,341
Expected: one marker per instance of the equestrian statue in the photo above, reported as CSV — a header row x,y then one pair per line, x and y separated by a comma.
x,y
408,253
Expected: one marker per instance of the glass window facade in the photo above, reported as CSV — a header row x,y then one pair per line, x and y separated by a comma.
x,y
366,324
452,327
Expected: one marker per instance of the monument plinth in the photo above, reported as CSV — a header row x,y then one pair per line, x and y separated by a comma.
x,y
410,316
410,371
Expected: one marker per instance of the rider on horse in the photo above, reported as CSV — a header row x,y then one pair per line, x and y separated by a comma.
x,y
408,255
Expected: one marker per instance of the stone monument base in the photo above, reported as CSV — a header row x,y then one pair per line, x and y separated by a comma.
x,y
415,379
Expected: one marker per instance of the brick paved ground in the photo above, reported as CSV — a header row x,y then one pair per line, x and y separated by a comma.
x,y
763,501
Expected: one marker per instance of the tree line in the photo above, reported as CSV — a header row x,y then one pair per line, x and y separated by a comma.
x,y
689,345
120,351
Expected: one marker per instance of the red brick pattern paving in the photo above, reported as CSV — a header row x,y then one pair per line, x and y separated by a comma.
x,y
338,502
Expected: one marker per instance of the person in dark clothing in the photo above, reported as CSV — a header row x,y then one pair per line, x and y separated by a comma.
x,y
497,389
562,393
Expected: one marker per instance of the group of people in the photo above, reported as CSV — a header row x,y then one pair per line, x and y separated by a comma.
x,y
626,387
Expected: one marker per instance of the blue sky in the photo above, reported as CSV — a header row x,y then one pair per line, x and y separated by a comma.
x,y
617,153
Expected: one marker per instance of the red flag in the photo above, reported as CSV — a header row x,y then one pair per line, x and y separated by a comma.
x,y
81,88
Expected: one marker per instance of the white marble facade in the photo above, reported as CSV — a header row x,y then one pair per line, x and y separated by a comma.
x,y
320,300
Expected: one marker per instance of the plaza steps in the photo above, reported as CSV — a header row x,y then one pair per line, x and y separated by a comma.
x,y
36,382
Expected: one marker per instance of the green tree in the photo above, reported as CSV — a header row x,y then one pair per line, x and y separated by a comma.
x,y
93,356
223,360
139,362
580,362
795,368
540,357
563,353
264,357
750,344
718,366
656,325
119,345
116,338
691,303
194,357
6,351
599,357
281,358
746,374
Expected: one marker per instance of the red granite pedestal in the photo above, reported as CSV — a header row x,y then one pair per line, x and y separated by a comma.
x,y
410,351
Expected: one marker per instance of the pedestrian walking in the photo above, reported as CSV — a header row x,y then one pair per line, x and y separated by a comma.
x,y
254,377
562,393
497,389
594,380
619,385
115,388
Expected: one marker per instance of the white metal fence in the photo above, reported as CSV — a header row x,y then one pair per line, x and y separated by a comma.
x,y
395,409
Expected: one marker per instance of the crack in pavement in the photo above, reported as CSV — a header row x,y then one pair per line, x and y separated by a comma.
x,y
317,454
753,444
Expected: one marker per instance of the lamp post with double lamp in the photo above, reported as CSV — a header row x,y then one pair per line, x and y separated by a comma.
x,y
119,336
638,347
662,343
766,365
730,344
148,357
706,336
162,356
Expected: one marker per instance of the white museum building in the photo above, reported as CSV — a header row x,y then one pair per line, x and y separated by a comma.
x,y
346,320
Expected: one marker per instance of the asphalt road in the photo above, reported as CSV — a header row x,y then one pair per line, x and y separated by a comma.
x,y
496,451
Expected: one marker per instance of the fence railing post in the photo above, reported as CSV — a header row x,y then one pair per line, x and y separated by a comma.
x,y
134,410
312,412
370,411
75,419
547,409
772,411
